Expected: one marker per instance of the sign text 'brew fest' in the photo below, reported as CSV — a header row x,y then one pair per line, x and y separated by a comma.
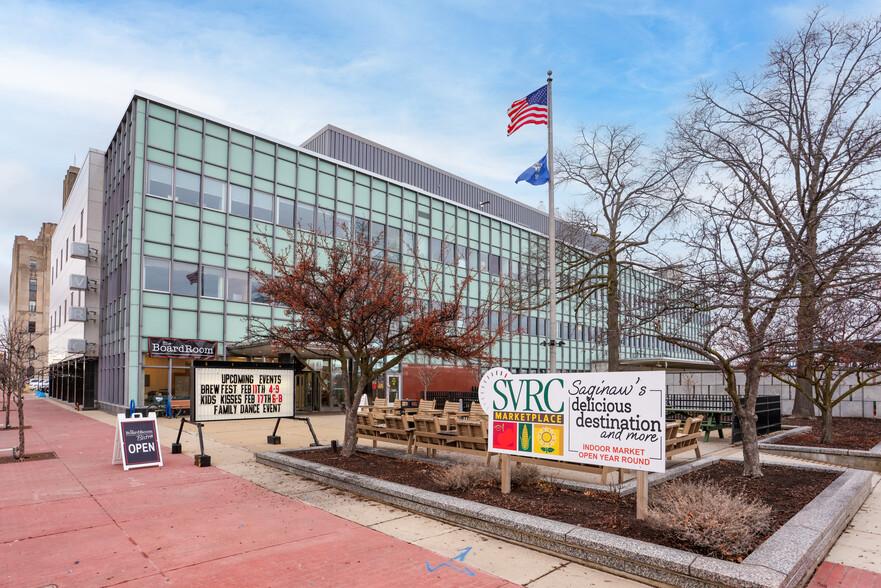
x,y
614,419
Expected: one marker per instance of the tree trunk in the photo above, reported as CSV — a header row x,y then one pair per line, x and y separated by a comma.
x,y
19,402
613,317
802,406
827,437
6,395
350,437
351,432
752,465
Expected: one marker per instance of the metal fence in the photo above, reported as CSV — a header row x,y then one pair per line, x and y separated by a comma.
x,y
769,418
767,411
441,398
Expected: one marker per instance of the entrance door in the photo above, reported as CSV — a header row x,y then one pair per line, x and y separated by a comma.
x,y
303,391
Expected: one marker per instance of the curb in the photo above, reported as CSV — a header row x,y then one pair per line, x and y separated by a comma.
x,y
784,560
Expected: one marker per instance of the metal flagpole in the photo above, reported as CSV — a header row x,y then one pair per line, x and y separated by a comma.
x,y
552,244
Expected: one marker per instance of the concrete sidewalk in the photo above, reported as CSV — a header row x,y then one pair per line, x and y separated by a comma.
x,y
231,445
80,521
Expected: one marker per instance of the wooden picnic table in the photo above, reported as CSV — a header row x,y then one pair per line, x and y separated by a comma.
x,y
712,419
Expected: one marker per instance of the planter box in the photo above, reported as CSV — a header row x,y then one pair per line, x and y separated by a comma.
x,y
850,458
784,560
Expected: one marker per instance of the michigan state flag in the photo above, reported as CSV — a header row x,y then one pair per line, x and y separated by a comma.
x,y
537,174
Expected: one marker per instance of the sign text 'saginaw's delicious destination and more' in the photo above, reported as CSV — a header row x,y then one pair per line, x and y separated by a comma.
x,y
233,393
612,419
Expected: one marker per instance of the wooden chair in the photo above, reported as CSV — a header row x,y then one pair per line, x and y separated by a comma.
x,y
368,429
476,412
472,437
397,431
427,434
686,439
450,414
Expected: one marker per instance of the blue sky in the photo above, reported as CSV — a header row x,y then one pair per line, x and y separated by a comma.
x,y
430,79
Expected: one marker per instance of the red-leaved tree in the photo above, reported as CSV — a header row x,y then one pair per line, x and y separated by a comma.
x,y
346,301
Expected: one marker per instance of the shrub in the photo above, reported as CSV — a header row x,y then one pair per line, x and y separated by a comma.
x,y
524,475
709,516
463,476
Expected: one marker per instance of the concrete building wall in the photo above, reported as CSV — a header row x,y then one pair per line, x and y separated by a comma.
x,y
29,292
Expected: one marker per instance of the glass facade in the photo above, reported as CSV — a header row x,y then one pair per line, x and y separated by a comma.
x,y
185,197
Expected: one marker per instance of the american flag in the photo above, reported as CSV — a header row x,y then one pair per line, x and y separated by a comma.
x,y
530,110
193,277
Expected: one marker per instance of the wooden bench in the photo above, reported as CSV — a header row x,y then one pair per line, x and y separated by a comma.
x,y
469,437
394,430
686,439
175,407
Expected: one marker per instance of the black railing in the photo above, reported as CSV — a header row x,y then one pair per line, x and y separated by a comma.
x,y
441,398
769,418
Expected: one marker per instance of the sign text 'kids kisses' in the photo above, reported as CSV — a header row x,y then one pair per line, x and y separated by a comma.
x,y
612,419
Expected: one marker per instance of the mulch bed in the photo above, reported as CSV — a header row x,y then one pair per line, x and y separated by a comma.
x,y
848,433
29,457
787,490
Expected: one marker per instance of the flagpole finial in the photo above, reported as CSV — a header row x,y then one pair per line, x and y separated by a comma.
x,y
550,73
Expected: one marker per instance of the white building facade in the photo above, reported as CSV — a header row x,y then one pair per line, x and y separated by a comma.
x,y
73,295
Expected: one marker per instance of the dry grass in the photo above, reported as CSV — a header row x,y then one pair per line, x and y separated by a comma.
x,y
709,516
522,475
463,476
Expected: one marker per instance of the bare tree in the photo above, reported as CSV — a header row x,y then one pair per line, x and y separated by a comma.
x,y
628,194
803,136
15,345
426,371
847,352
345,300
725,302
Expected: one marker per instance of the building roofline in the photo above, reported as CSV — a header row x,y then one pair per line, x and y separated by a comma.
x,y
330,127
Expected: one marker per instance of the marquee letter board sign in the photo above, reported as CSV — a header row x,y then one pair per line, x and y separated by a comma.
x,y
612,419
137,442
226,391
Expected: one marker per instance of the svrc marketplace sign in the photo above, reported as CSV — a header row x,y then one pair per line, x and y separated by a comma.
x,y
614,419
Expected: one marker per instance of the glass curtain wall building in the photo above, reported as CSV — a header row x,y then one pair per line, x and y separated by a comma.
x,y
185,196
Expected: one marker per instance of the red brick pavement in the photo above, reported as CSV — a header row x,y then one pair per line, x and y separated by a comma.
x,y
80,521
831,575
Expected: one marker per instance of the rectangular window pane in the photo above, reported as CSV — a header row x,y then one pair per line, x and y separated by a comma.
x,y
239,201
214,196
285,212
256,295
236,286
32,284
158,180
185,278
393,237
212,282
343,226
187,187
362,228
156,274
262,209
325,221
305,217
